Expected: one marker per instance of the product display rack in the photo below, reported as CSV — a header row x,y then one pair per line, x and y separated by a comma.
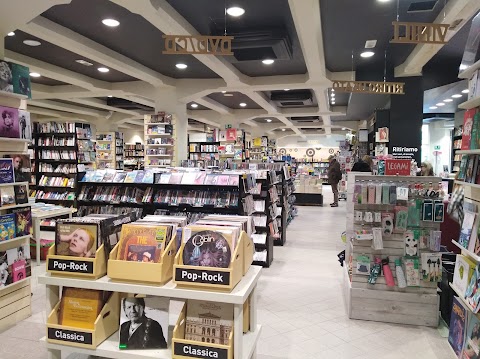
x,y
134,155
456,145
288,198
159,134
56,178
109,148
203,151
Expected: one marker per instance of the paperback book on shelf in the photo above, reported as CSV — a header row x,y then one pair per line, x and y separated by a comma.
x,y
458,322
23,221
6,170
7,227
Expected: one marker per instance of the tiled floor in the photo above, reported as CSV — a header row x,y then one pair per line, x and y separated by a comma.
x,y
301,305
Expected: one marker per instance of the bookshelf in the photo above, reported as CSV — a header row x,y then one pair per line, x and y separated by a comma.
x,y
109,150
62,151
233,144
203,151
134,155
159,140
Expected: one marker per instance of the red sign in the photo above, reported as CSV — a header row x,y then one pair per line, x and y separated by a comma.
x,y
231,134
397,167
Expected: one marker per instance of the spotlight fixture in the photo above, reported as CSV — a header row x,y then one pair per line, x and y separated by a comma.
x,y
243,104
366,54
32,42
194,105
224,91
448,100
333,90
181,66
34,74
235,11
344,128
332,102
268,120
332,95
109,96
440,104
286,89
103,69
433,107
110,22
456,96
83,62
11,33
283,130
268,61
465,91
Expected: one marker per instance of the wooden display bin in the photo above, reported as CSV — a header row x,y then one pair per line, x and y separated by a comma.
x,y
248,249
211,278
138,272
106,324
246,315
187,349
86,268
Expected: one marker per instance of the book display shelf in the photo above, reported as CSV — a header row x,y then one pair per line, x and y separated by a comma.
x,y
62,151
109,148
288,197
134,155
393,264
456,146
233,144
159,132
203,151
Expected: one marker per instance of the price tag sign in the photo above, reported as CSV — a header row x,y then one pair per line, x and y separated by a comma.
x,y
402,193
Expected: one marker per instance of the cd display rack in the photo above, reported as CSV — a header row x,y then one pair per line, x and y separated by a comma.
x,y
109,148
134,155
203,151
159,140
62,151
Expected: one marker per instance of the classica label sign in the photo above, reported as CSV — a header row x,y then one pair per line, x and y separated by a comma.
x,y
404,152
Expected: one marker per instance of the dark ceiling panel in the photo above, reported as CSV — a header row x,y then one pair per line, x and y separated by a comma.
x,y
208,16
234,101
58,56
199,107
81,105
135,38
42,80
372,20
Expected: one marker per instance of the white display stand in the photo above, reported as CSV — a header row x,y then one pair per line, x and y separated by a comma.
x,y
244,344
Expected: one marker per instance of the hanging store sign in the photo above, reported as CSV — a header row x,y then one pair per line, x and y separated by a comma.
x,y
203,45
419,33
388,88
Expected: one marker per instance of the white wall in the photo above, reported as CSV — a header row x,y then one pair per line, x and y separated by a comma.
x,y
132,136
438,136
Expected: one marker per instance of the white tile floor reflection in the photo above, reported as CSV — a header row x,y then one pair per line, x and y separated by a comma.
x,y
301,305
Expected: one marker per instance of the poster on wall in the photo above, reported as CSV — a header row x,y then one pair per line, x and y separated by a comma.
x,y
382,135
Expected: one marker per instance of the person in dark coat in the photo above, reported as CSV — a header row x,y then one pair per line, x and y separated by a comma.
x,y
334,176
140,332
363,165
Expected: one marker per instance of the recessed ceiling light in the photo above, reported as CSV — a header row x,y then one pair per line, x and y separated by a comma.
x,y
110,96
465,91
440,104
181,66
235,11
283,130
343,128
32,42
83,62
456,95
228,94
34,74
333,90
110,22
332,95
103,69
433,107
194,105
224,91
448,100
383,0
268,120
366,54
286,89
243,104
268,61
11,33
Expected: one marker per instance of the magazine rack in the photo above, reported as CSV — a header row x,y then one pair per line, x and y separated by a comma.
x,y
106,324
138,272
86,268
212,278
186,349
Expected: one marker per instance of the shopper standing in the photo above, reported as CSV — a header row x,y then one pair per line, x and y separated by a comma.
x,y
334,176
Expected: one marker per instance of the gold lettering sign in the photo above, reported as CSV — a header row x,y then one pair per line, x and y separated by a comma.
x,y
205,45
419,33
387,88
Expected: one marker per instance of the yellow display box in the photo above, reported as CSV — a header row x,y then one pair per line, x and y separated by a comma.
x,y
187,349
67,266
212,278
139,272
248,250
105,325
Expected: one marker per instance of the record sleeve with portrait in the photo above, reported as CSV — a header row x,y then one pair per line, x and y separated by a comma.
x,y
207,246
77,240
144,323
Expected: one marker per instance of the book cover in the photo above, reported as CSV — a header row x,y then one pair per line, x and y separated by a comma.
x,y
76,239
432,267
475,132
24,124
79,308
6,171
458,320
22,168
219,317
234,180
88,177
119,177
98,176
6,77
9,122
7,227
200,177
139,177
463,167
7,195
144,323
472,294
464,268
23,221
130,177
19,262
472,85
21,194
467,128
471,347
165,178
21,79
176,178
148,176
467,228
470,170
223,180
109,176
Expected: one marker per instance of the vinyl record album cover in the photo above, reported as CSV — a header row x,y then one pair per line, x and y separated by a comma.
x,y
9,122
19,262
21,79
143,242
24,125
23,221
458,322
78,240
7,196
144,323
207,247
79,308
21,166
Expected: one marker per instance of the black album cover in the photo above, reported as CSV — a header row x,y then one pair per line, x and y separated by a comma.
x,y
206,248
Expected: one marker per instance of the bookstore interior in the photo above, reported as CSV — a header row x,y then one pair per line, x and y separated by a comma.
x,y
155,156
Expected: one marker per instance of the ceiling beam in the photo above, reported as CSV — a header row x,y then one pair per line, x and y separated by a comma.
x,y
200,117
214,105
422,53
74,42
94,102
67,108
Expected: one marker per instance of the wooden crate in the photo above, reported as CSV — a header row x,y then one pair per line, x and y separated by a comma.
x,y
15,303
